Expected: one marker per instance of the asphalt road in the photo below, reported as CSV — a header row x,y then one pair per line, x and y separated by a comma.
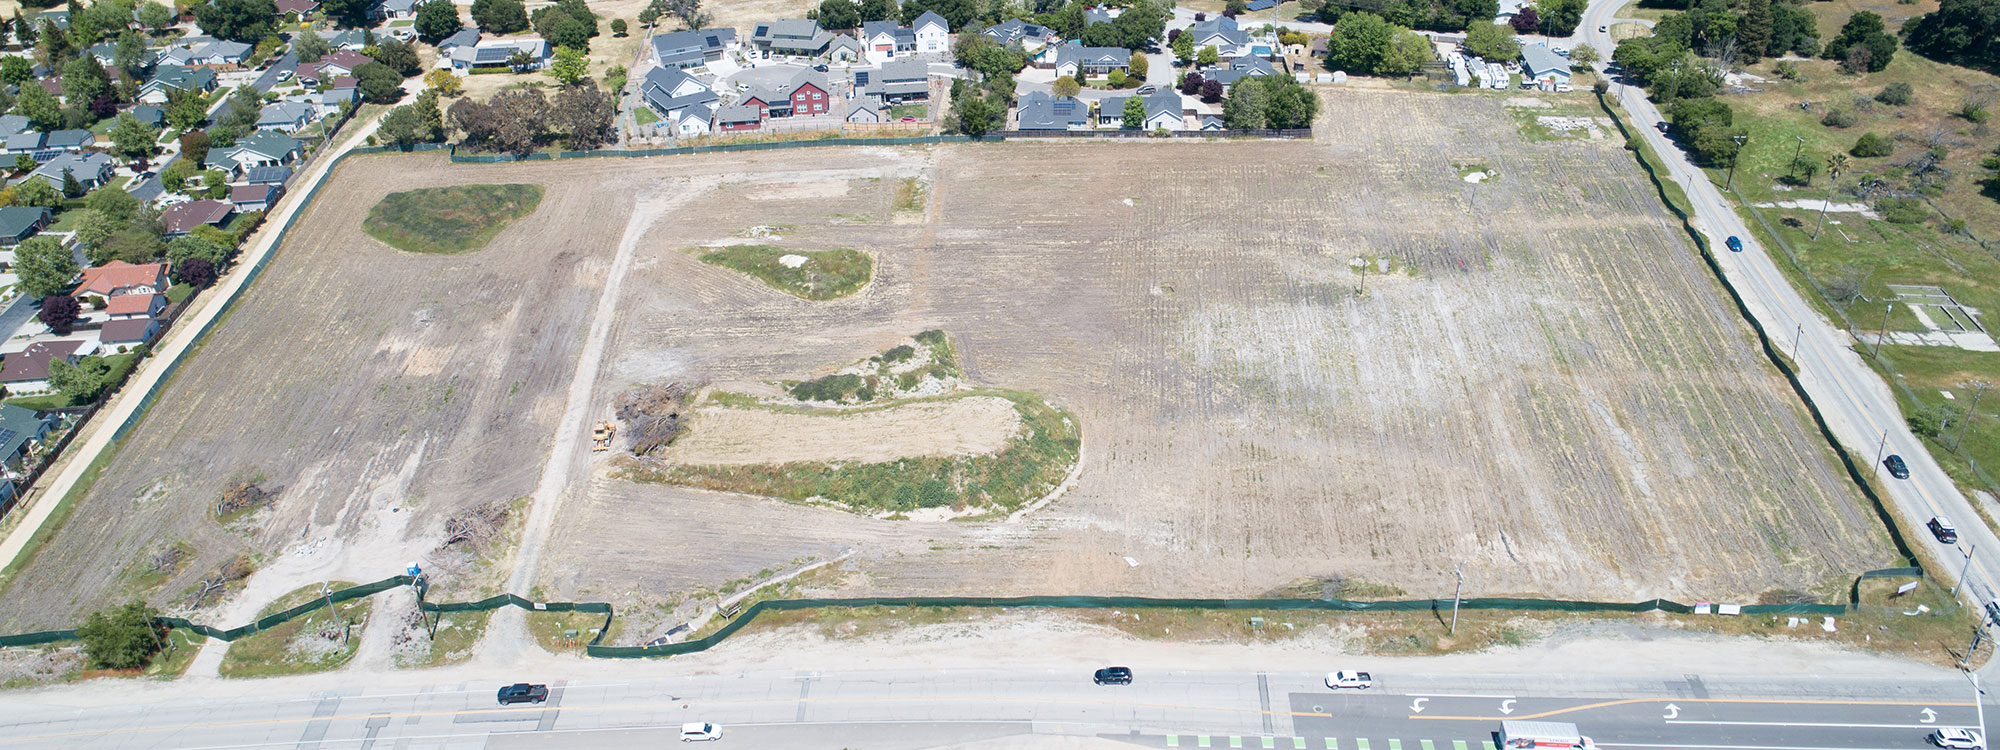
x,y
1854,400
926,708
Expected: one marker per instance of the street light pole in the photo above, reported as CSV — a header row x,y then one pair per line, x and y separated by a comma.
x,y
1796,150
1736,157
1967,423
1457,569
1885,330
1879,450
1965,571
1796,335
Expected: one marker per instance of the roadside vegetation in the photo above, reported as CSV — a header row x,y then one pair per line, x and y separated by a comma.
x,y
815,275
449,220
1867,158
316,642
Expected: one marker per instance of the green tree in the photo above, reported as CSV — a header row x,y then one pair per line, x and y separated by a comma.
x,y
1289,104
92,229
156,17
123,638
310,46
838,15
1135,113
16,70
1244,109
191,246
44,266
80,382
1896,94
1492,41
377,83
1137,65
350,13
119,205
1184,48
40,107
1753,33
1408,51
570,65
1863,30
186,110
1584,54
1066,86
1966,32
878,10
444,82
1358,43
1208,56
37,192
977,116
618,26
437,19
71,188
500,16
1872,145
1555,17
399,56
131,138
238,20
24,30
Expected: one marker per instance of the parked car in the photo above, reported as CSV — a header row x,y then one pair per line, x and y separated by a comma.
x,y
521,692
1897,468
700,731
1604,29
1735,244
1662,126
907,118
1958,739
821,68
1113,676
1145,90
284,75
1942,529
1346,679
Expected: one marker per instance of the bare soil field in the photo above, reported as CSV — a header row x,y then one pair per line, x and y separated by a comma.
x,y
957,427
1541,378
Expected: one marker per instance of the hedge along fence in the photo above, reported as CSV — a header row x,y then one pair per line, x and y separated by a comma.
x,y
1854,472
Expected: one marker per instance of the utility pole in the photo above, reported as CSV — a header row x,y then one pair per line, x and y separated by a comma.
x,y
1885,330
1978,634
1982,385
1965,571
1458,570
1835,164
1733,158
1796,150
1879,450
1796,335
327,591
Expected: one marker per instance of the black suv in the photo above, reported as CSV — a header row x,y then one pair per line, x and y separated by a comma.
x,y
521,692
1942,529
1113,676
1897,468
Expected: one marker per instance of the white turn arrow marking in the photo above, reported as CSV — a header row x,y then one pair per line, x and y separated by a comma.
x,y
1507,707
1930,717
1673,711
1417,704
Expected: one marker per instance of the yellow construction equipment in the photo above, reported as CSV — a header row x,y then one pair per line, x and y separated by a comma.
x,y
600,436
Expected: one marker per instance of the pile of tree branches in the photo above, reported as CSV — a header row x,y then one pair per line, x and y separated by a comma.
x,y
242,496
653,415
523,120
475,526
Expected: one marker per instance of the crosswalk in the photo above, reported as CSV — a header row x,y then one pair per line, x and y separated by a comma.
x,y
1235,742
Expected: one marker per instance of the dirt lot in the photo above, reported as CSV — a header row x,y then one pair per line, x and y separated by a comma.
x,y
1546,383
958,427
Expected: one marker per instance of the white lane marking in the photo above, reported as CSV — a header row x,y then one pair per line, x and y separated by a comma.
x,y
1735,747
1800,724
1455,695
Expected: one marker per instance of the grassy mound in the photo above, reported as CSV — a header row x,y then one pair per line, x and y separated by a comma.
x,y
1034,462
825,274
453,219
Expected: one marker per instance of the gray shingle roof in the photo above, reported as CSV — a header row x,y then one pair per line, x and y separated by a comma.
x,y
1041,111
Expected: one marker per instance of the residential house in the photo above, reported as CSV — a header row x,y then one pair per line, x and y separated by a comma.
x,y
1163,111
347,39
668,89
844,49
128,333
1111,112
175,78
1540,65
45,146
288,116
20,430
1212,123
933,34
119,277
219,54
106,54
1030,36
149,114
302,7
26,372
691,121
1040,110
21,222
806,94
866,109
1222,33
89,169
340,63
1238,69
182,218
887,40
13,125
1095,15
255,197
1091,61
384,10
739,117
499,53
344,91
465,37
1257,5
899,81
690,49
267,175
262,148
798,37
129,306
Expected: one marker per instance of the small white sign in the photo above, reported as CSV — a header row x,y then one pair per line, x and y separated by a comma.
x,y
1906,588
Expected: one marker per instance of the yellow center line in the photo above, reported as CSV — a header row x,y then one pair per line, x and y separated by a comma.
x,y
1631,701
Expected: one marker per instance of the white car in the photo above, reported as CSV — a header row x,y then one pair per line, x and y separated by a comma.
x,y
1958,739
700,731
1346,679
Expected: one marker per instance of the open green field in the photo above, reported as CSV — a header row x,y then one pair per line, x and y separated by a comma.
x,y
452,219
822,275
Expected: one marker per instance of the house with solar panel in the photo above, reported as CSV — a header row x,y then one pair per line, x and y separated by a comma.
x,y
690,49
498,53
793,37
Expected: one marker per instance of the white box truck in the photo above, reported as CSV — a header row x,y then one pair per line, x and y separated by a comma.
x,y
1521,735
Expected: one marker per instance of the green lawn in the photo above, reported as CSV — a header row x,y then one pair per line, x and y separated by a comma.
x,y
449,219
900,111
645,115
179,293
824,274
